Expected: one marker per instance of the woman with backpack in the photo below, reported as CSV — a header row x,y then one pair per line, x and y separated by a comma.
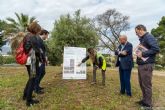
x,y
30,45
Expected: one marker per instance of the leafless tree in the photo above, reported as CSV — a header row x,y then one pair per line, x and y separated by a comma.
x,y
109,25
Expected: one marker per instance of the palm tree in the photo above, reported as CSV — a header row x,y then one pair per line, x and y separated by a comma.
x,y
21,23
19,28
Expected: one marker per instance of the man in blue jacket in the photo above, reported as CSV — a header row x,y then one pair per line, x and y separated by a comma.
x,y
145,67
125,63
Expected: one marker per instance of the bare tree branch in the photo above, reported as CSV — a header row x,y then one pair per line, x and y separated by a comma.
x,y
110,24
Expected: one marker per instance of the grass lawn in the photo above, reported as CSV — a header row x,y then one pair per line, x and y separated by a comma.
x,y
75,94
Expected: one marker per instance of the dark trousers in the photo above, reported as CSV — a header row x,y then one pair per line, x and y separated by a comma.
x,y
29,85
94,75
145,81
39,76
125,84
28,91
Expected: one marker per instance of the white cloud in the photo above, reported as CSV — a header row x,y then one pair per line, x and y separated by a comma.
x,y
147,12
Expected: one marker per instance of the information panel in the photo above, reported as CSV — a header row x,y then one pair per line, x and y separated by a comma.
x,y
72,57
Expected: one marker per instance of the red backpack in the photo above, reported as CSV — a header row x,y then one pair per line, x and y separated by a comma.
x,y
21,56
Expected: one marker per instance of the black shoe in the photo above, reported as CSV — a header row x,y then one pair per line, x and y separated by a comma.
x,y
122,93
39,92
103,84
146,105
24,97
140,102
41,88
32,102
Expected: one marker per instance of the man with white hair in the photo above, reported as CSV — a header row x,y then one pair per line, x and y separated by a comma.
x,y
125,64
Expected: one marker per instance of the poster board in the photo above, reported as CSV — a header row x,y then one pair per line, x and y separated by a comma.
x,y
72,57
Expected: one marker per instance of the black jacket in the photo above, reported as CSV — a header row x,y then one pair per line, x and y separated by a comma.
x,y
42,46
148,41
30,41
126,61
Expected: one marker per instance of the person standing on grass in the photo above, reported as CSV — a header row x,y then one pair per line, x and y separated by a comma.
x,y
98,61
31,47
145,67
41,72
125,64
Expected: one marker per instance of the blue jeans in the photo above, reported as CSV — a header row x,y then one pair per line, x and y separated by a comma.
x,y
125,83
40,74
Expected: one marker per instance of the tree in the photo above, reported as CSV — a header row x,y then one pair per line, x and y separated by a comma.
x,y
110,25
71,31
4,30
5,27
21,23
15,27
159,33
1,42
15,42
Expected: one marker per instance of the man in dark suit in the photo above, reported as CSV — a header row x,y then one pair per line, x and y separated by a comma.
x,y
125,64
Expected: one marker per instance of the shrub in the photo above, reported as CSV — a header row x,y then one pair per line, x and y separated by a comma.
x,y
8,60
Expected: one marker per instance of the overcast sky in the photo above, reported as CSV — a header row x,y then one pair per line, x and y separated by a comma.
x,y
147,12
